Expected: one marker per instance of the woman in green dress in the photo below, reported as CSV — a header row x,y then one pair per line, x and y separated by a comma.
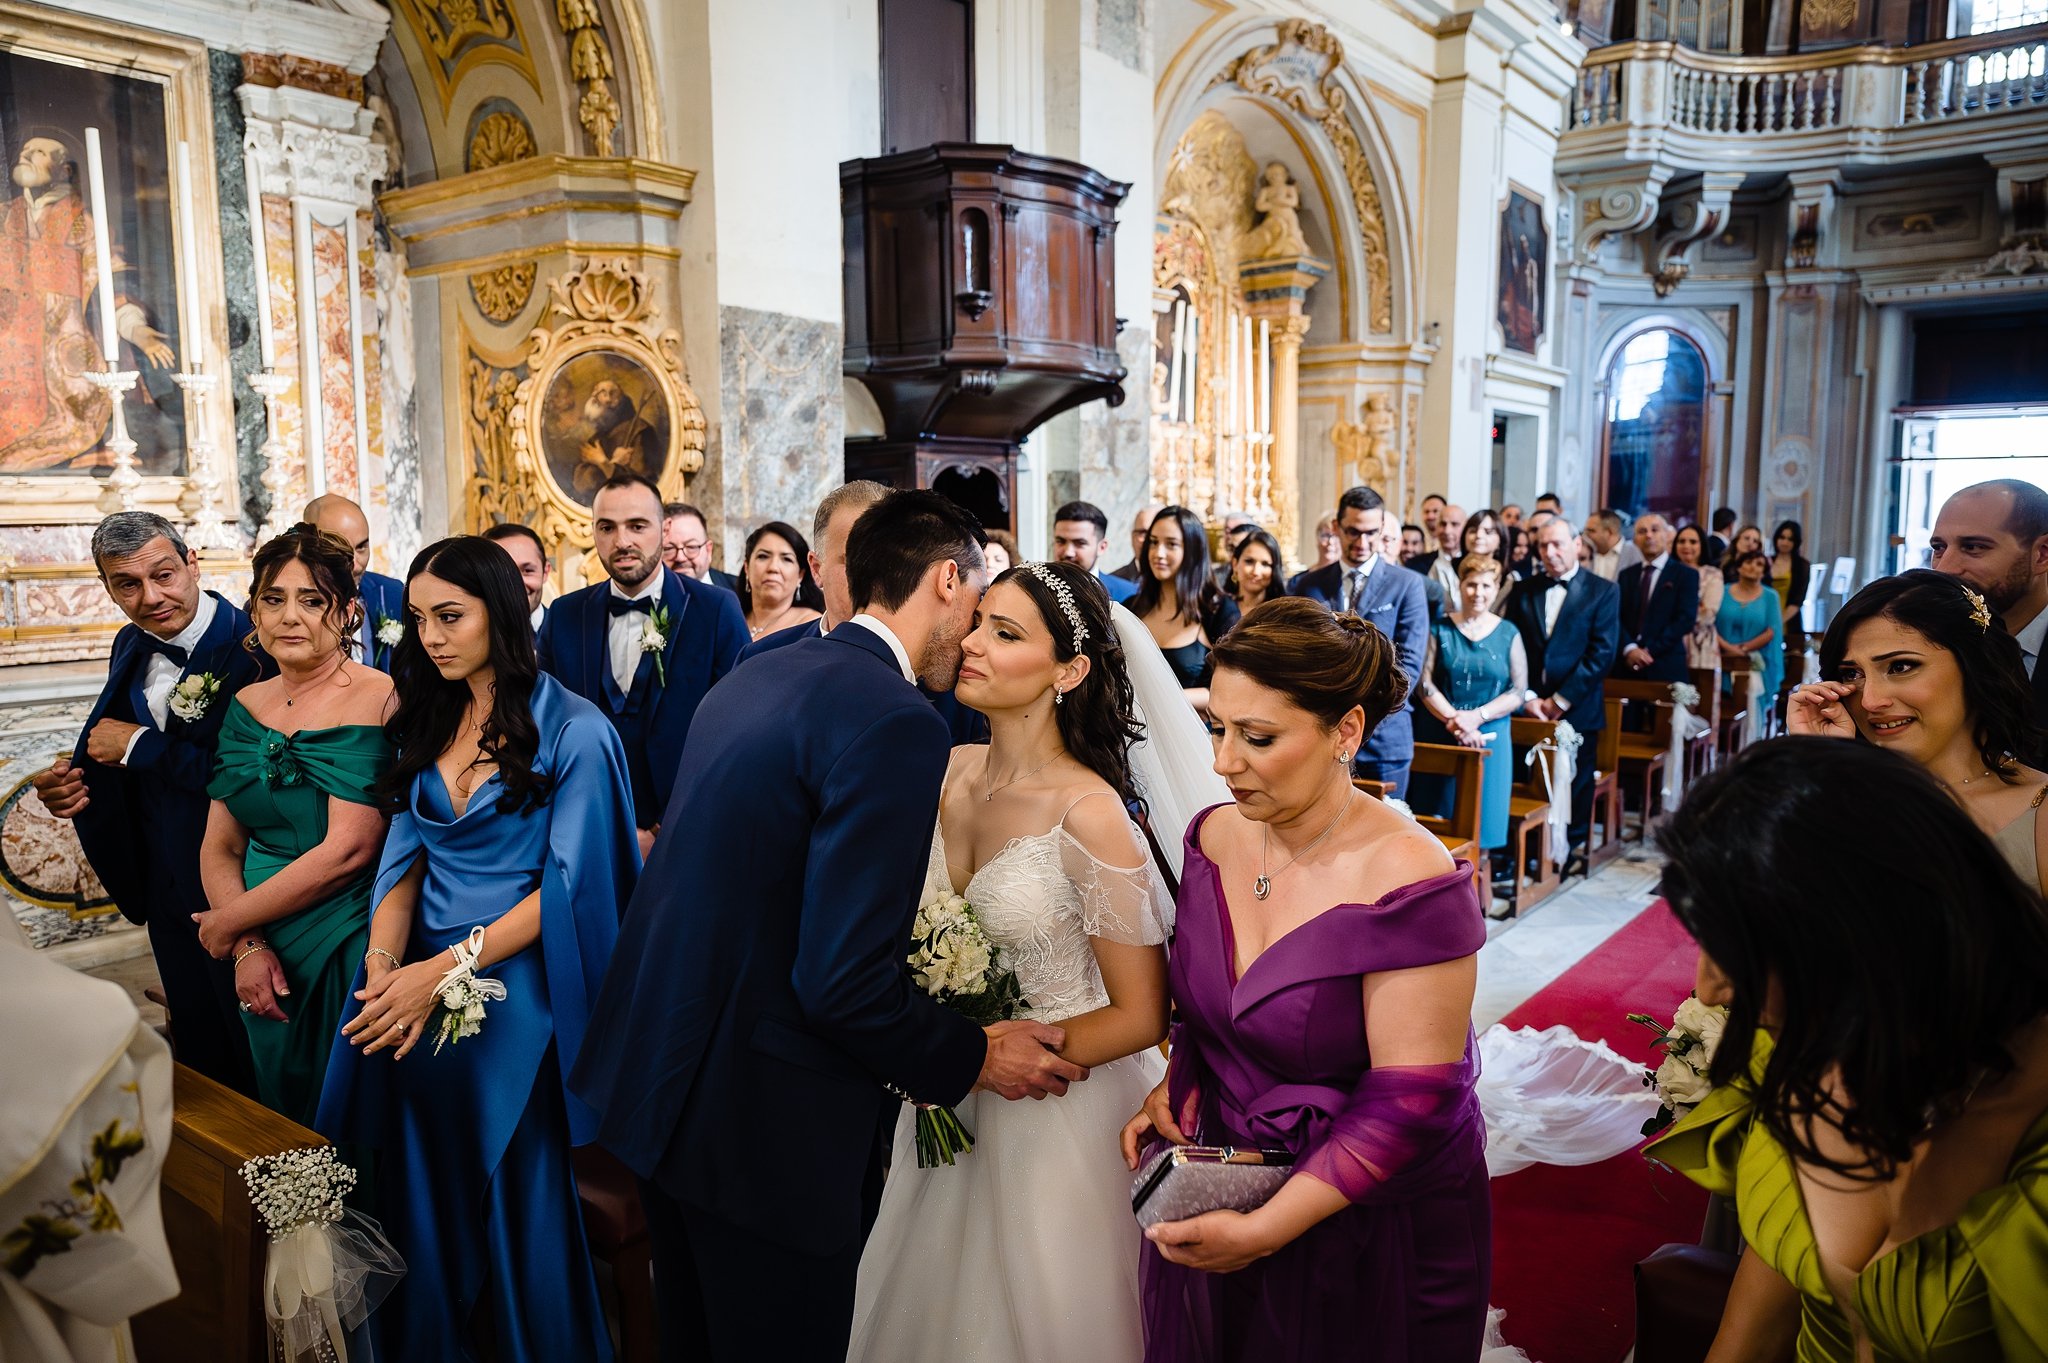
x,y
292,840
1880,1103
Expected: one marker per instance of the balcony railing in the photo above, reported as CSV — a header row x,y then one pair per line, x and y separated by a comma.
x,y
1830,102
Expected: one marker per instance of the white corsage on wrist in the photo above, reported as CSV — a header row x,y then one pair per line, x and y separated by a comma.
x,y
194,696
462,995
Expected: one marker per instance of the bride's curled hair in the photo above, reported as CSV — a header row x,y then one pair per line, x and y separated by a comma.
x,y
1098,719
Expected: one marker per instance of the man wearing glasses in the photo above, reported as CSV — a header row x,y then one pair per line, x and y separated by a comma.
x,y
1389,598
686,546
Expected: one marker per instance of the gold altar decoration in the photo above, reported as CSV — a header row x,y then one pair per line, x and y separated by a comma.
x,y
590,64
500,139
457,36
598,389
1368,454
1298,69
502,294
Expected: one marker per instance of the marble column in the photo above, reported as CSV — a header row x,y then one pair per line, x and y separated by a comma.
x,y
1276,291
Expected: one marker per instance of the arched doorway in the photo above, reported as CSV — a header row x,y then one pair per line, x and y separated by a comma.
x,y
1655,431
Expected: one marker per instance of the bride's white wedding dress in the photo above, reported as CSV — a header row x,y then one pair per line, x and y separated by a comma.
x,y
1026,1250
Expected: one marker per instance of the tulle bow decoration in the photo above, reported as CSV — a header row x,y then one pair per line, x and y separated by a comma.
x,y
328,1267
1555,759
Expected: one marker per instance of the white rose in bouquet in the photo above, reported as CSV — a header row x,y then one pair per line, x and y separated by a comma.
x,y
1680,1083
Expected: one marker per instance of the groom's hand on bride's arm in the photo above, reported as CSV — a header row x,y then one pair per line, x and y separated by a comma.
x,y
1023,1061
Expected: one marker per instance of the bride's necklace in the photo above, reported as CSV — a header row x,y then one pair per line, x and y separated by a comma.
x,y
1263,886
990,792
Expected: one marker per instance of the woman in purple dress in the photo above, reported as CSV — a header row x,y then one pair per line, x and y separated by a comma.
x,y
1323,967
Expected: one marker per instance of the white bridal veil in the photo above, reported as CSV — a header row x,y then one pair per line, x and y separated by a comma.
x,y
1174,764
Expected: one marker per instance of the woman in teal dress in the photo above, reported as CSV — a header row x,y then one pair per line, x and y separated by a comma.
x,y
1879,1109
291,842
512,845
1752,627
1471,688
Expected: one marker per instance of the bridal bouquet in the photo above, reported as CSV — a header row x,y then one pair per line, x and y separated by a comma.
x,y
1688,1044
953,960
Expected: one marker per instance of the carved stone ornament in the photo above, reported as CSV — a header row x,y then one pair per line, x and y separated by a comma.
x,y
501,294
533,461
1211,181
590,63
1365,448
297,159
500,139
1299,70
1693,217
457,35
1615,204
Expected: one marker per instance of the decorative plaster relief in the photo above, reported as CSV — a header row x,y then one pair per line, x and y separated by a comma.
x,y
1891,227
458,35
499,135
590,64
502,294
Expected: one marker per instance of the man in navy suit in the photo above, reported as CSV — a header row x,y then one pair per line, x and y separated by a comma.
x,y
1080,532
1994,536
383,597
1660,603
135,788
758,1014
530,557
601,642
686,546
1570,623
1390,598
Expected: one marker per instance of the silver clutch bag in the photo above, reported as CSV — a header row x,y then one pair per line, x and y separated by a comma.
x,y
1187,1180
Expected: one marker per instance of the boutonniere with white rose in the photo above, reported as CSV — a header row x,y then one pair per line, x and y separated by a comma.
x,y
194,696
389,630
1688,1044
654,639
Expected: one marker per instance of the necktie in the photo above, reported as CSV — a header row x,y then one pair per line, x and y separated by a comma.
x,y
1354,586
164,648
621,606
1649,586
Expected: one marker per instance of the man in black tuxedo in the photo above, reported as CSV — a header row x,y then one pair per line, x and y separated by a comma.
x,y
1994,536
759,969
1570,623
383,597
530,556
601,642
135,788
1660,603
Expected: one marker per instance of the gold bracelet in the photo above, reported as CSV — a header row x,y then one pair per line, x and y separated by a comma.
x,y
247,952
380,951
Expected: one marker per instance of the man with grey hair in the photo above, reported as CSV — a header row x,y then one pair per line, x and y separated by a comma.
x,y
1660,602
135,786
383,597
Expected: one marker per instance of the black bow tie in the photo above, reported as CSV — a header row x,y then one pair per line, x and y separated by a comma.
x,y
621,606
168,650
1552,583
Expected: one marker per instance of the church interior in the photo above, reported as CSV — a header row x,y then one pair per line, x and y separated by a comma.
x,y
460,261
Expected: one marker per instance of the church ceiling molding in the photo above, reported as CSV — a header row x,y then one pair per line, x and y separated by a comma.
x,y
592,67
457,36
1298,71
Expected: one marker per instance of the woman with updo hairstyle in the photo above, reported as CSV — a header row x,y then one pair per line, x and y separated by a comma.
x,y
1323,970
291,842
1034,831
1915,663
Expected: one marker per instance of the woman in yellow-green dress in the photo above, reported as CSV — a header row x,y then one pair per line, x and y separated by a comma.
x,y
1880,1110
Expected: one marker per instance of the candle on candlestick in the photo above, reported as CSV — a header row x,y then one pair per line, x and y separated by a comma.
x,y
1265,379
188,252
1175,359
103,247
266,342
1191,375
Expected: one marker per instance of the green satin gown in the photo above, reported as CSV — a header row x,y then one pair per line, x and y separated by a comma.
x,y
278,788
1973,1291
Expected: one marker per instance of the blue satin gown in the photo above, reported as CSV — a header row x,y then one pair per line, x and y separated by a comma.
x,y
475,1186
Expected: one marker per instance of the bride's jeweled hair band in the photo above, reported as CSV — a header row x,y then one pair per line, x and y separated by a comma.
x,y
1063,594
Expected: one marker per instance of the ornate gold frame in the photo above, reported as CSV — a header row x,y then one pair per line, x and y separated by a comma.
x,y
98,45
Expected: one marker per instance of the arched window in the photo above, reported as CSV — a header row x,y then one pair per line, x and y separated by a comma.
x,y
1656,427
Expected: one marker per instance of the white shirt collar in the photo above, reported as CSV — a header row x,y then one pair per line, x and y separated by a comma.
x,y
540,613
1570,575
202,619
1364,568
1656,565
650,587
866,621
2031,638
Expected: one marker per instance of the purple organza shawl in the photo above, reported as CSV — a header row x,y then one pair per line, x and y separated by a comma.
x,y
1279,1059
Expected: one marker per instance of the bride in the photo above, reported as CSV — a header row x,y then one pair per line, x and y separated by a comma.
x,y
1026,1249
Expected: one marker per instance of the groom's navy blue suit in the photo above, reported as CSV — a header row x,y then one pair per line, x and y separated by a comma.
x,y
758,1001
142,829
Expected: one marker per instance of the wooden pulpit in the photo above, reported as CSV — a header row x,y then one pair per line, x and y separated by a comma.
x,y
980,301
217,1240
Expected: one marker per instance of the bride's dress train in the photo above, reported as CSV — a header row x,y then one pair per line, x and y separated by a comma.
x,y
1026,1250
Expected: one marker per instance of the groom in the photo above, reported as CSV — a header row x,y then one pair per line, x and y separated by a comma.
x,y
758,1013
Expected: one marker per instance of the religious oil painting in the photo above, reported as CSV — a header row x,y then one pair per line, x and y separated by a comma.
x,y
1524,256
52,419
603,413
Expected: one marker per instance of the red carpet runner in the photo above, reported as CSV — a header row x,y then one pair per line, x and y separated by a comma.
x,y
1566,1241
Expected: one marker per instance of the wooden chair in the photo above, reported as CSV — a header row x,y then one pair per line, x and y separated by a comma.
x,y
1536,875
1459,833
1606,819
216,1238
1642,757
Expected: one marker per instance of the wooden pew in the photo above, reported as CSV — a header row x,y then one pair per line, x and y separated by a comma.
x,y
1536,875
217,1241
1459,833
1606,819
1703,751
1642,757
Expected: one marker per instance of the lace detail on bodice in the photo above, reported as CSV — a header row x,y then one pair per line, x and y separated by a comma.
x,y
1041,898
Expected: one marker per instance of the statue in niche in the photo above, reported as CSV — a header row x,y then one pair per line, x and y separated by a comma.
x,y
1365,449
1278,234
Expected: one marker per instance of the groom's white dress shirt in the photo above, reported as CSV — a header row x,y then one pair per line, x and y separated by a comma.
x,y
161,673
866,621
622,635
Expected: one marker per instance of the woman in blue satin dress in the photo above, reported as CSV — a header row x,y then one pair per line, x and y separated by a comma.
x,y
513,832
